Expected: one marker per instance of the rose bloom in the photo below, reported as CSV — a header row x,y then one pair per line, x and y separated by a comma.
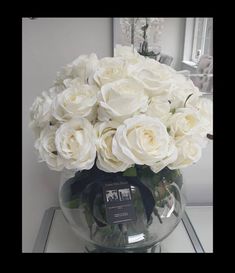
x,y
82,69
130,54
121,99
141,140
78,100
183,92
159,107
189,151
143,112
106,160
110,70
154,76
185,121
75,143
170,158
205,108
46,148
40,111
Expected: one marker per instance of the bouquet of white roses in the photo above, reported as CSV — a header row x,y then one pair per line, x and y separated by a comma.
x,y
120,111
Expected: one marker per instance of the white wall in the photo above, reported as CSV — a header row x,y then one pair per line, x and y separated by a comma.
x,y
49,44
173,40
198,179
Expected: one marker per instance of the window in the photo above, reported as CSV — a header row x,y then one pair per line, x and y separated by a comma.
x,y
198,40
202,38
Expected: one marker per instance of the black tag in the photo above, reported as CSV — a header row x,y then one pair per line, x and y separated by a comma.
x,y
118,201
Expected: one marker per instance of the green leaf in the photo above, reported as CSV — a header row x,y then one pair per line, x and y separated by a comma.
x,y
155,211
162,191
88,216
73,204
137,202
187,99
176,193
130,172
172,176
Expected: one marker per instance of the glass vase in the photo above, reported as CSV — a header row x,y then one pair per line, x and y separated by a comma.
x,y
157,198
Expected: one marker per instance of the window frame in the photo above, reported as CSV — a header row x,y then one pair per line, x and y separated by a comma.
x,y
190,40
195,57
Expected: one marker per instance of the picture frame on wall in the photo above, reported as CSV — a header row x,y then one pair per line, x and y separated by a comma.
x,y
118,36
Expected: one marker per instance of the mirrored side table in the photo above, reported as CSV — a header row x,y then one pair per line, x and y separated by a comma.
x,y
193,234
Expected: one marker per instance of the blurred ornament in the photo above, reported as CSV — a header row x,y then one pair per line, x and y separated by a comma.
x,y
143,32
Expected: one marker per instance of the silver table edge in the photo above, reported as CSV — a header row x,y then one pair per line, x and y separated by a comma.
x,y
41,240
192,234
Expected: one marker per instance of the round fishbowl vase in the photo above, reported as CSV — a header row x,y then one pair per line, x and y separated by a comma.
x,y
157,200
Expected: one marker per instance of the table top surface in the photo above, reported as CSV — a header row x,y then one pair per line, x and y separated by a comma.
x,y
194,234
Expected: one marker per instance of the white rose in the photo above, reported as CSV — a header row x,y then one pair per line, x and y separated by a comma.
x,y
78,100
185,121
110,69
58,87
141,140
45,145
189,152
159,107
205,108
170,158
183,92
75,142
155,77
82,68
129,53
121,99
106,160
40,111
